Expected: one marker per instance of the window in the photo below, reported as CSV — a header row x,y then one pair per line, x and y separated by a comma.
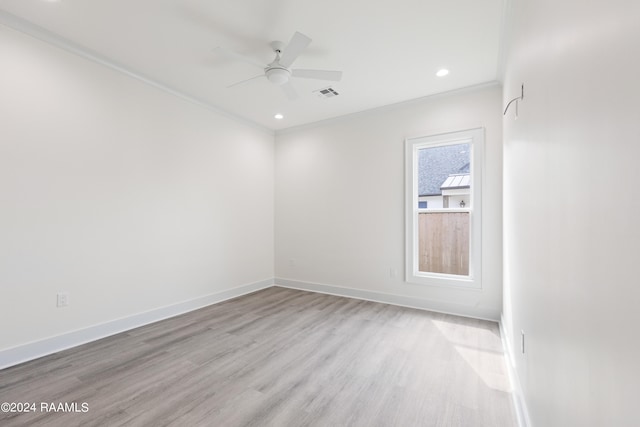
x,y
443,199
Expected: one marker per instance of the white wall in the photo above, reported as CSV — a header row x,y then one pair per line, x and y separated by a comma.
x,y
340,199
124,196
570,261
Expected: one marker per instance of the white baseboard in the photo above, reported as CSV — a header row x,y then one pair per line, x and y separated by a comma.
x,y
36,349
23,353
520,404
401,300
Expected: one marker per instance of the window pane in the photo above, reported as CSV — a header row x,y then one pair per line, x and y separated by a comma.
x,y
443,176
443,242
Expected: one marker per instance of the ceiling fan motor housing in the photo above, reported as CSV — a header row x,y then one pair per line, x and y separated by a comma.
x,y
278,75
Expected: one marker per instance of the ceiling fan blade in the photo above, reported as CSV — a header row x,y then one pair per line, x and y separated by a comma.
x,y
317,74
295,47
290,91
244,81
235,55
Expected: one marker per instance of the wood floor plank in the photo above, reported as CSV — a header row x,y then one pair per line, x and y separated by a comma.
x,y
277,357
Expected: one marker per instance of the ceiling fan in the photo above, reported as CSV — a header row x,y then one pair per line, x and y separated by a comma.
x,y
279,71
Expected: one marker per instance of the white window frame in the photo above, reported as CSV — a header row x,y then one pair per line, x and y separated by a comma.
x,y
475,137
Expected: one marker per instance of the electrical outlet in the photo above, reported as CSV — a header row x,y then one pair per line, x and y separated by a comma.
x,y
292,263
63,299
393,273
522,341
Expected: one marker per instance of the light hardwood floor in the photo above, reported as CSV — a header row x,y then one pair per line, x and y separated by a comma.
x,y
277,357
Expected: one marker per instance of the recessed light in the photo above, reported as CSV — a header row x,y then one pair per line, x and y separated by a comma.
x,y
443,72
278,117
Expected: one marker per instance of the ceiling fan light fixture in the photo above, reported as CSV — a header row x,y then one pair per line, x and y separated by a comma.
x,y
279,71
278,76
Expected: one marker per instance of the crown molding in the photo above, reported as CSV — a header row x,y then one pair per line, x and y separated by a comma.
x,y
389,107
21,25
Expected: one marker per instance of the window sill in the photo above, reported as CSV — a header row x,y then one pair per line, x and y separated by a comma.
x,y
444,281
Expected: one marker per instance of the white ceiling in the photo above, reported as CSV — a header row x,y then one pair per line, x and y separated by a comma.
x,y
388,50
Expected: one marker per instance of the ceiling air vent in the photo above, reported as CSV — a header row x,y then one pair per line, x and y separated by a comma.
x,y
327,92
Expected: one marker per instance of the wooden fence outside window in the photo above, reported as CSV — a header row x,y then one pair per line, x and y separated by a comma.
x,y
444,242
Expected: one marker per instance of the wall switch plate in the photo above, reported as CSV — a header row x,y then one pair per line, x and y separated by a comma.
x,y
393,272
63,299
